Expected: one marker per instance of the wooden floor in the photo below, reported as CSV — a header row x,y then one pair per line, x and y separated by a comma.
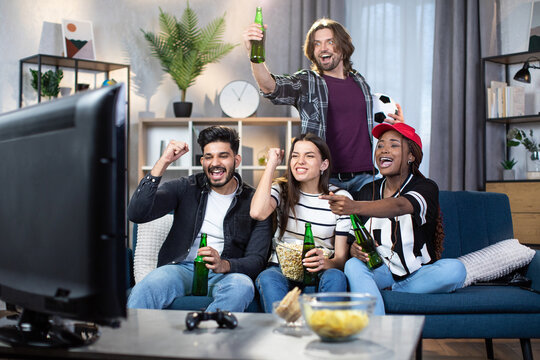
x,y
503,349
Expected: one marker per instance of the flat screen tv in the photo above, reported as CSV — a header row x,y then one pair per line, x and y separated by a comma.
x,y
62,217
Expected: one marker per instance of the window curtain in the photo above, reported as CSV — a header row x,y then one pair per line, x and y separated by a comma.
x,y
458,100
393,42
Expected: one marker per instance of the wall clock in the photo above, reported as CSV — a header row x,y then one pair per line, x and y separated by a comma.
x,y
239,99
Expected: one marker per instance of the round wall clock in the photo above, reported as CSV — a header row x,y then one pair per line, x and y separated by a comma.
x,y
239,99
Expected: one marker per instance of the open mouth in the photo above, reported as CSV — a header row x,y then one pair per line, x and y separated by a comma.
x,y
325,58
301,170
217,173
385,162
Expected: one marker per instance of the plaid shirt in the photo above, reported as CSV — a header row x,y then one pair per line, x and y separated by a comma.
x,y
307,91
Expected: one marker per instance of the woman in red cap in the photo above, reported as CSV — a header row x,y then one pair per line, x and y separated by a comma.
x,y
401,210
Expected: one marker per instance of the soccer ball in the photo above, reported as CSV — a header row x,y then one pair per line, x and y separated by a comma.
x,y
382,106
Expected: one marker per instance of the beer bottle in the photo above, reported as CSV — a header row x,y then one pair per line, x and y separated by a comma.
x,y
310,279
257,46
364,239
200,273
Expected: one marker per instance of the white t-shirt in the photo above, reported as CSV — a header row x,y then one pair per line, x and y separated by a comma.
x,y
216,208
324,223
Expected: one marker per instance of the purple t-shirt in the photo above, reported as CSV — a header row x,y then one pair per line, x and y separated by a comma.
x,y
347,133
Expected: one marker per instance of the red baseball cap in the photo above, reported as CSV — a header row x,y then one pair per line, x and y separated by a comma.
x,y
402,128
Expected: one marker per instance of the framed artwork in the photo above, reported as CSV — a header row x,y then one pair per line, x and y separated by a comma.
x,y
78,39
534,39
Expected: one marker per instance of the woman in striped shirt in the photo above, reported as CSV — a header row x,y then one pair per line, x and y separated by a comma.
x,y
295,197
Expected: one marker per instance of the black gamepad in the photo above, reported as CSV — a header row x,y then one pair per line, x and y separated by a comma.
x,y
223,318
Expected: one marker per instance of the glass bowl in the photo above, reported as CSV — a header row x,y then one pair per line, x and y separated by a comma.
x,y
290,323
337,316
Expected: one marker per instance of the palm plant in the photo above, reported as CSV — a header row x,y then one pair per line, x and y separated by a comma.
x,y
183,49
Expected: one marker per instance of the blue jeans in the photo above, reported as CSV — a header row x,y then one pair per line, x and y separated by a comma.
x,y
443,276
354,184
273,285
158,289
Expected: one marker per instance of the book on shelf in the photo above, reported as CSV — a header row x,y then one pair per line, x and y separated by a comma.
x,y
504,100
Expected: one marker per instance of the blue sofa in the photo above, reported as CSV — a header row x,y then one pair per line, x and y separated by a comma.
x,y
472,221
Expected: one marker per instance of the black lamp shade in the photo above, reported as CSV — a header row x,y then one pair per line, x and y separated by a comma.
x,y
523,74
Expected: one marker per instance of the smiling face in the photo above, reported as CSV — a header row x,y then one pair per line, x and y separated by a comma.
x,y
392,154
219,162
327,54
306,164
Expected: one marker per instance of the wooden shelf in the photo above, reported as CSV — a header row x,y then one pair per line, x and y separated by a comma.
x,y
515,58
515,119
81,64
277,132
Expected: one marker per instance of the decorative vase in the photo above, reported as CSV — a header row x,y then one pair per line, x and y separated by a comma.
x,y
182,109
509,174
533,165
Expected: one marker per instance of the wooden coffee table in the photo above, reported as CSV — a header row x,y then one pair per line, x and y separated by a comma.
x,y
162,334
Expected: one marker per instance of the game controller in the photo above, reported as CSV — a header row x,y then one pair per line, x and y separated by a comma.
x,y
223,318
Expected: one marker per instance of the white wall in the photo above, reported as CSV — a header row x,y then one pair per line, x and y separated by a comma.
x,y
118,39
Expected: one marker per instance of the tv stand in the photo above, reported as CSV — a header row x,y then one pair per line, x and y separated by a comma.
x,y
36,329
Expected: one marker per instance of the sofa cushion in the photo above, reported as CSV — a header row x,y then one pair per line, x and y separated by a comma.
x,y
150,237
496,260
473,220
477,299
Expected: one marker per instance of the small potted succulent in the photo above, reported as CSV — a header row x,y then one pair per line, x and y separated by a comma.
x,y
508,171
50,82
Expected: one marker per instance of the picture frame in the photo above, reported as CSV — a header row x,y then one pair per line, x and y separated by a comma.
x,y
534,35
78,40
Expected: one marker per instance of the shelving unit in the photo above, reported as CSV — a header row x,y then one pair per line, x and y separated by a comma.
x,y
257,134
524,195
505,61
69,63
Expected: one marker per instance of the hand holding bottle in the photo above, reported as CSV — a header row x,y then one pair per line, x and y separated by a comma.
x,y
314,260
252,33
213,260
358,252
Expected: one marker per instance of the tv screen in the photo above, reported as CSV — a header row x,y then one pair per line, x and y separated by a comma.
x,y
62,215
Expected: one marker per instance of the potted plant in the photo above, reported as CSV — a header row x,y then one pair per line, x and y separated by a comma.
x,y
508,171
516,137
50,82
184,49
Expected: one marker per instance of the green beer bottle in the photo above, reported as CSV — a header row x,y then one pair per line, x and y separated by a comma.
x,y
200,273
310,279
257,46
364,239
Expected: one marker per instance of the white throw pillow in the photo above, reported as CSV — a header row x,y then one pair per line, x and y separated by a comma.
x,y
150,237
496,260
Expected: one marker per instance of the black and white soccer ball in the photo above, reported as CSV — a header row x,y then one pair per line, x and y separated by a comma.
x,y
382,106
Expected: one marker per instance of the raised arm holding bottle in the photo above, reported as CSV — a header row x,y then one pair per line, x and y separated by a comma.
x,y
345,125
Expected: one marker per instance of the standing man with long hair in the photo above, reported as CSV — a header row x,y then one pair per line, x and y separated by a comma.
x,y
333,99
